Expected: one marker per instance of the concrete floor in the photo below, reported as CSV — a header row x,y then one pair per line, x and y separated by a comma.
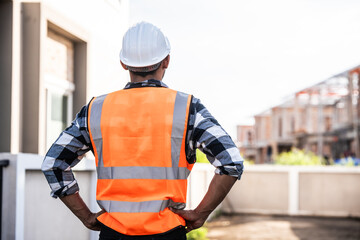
x,y
266,227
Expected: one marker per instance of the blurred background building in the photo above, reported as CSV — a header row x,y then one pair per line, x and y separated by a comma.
x,y
323,118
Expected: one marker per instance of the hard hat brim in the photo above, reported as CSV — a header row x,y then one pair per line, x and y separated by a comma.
x,y
145,64
145,69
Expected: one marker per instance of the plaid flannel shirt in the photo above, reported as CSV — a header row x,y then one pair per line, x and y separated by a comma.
x,y
204,133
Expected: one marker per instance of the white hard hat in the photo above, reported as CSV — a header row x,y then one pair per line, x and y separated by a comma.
x,y
144,45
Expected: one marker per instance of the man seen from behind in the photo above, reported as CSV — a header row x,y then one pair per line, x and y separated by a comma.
x,y
144,138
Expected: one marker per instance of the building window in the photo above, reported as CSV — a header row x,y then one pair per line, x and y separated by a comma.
x,y
327,123
293,125
58,114
280,127
249,138
59,84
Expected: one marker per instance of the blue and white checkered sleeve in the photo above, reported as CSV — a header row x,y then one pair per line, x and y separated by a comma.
x,y
65,153
208,136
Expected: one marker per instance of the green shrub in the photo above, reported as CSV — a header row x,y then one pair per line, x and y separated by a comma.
x,y
298,157
248,162
198,234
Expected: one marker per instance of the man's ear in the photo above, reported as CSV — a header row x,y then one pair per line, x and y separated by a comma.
x,y
124,66
165,62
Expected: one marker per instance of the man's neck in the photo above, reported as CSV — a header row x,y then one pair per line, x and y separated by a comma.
x,y
141,79
158,75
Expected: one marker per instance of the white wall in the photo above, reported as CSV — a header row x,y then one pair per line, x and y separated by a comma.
x,y
28,211
296,190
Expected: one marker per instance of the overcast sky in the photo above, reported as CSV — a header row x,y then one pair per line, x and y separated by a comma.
x,y
242,57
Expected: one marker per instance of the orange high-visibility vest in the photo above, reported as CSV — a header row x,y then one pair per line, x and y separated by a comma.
x,y
138,136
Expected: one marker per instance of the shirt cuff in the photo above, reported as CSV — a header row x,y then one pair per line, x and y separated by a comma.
x,y
67,190
233,171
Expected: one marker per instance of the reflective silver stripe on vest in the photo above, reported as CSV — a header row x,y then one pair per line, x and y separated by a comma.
x,y
177,131
95,120
136,207
142,173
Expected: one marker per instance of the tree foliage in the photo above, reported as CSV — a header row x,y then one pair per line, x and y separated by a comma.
x,y
198,234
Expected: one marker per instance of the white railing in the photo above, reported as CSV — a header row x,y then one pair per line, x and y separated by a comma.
x,y
296,190
28,212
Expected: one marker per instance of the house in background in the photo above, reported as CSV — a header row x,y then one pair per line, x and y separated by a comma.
x,y
323,118
246,140
254,141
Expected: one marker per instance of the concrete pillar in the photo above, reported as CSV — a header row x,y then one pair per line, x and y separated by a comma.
x,y
320,119
334,117
354,114
274,126
31,21
274,135
80,72
284,122
5,74
16,91
297,113
349,104
308,112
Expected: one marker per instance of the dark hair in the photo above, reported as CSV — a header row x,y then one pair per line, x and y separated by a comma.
x,y
144,74
141,71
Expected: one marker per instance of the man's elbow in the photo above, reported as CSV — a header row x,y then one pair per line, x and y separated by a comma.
x,y
232,171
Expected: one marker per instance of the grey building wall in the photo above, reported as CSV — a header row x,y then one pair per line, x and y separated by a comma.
x,y
5,73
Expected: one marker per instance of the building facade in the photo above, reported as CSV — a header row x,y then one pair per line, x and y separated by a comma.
x,y
323,118
55,56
